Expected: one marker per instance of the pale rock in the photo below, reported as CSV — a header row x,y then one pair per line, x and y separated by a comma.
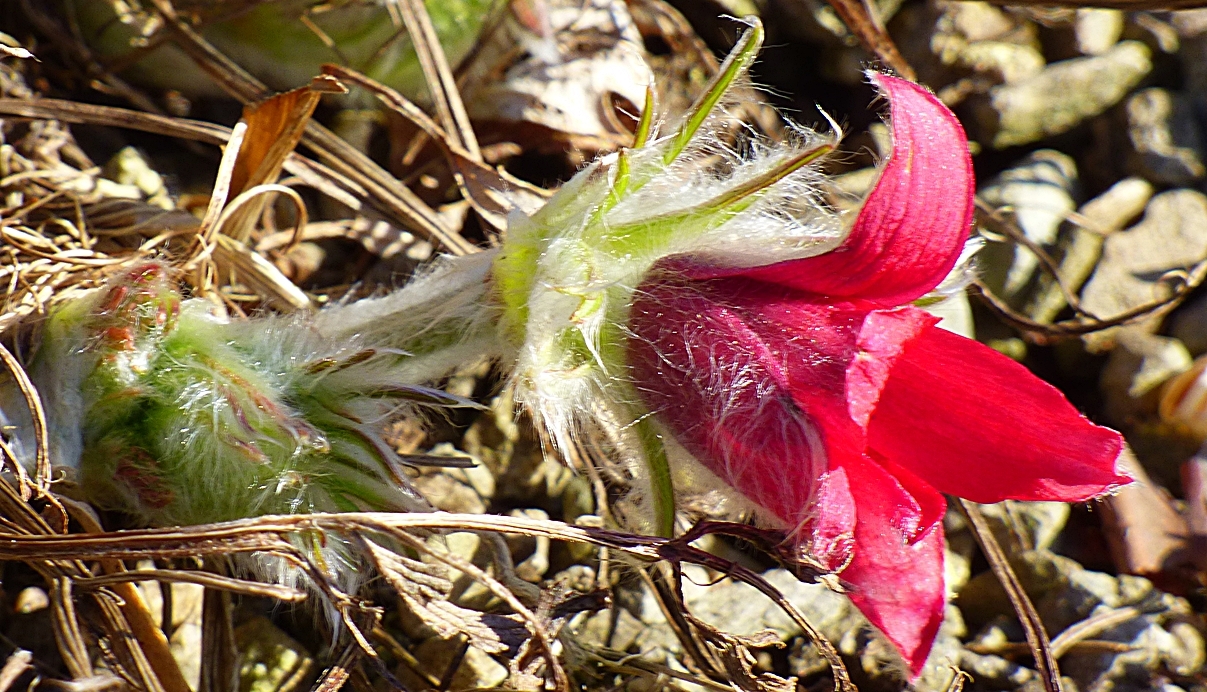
x,y
1169,238
1061,96
31,599
995,672
1009,62
1082,246
980,21
476,670
740,609
1038,190
1026,525
1097,29
1164,133
1139,364
1113,209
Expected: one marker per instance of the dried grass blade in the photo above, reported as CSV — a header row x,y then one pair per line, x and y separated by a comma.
x,y
89,114
390,195
539,637
439,77
481,184
38,413
123,654
1090,627
274,128
18,469
233,257
156,654
219,670
222,182
68,636
425,591
334,677
1037,636
1042,333
668,594
207,579
153,655
18,662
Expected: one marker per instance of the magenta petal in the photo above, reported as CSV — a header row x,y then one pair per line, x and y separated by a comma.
x,y
973,423
913,225
722,390
882,337
714,361
894,578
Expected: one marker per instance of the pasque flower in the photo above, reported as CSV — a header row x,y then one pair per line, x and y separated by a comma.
x,y
700,305
782,358
840,412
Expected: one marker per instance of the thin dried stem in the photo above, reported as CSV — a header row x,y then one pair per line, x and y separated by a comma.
x,y
870,31
441,83
1033,627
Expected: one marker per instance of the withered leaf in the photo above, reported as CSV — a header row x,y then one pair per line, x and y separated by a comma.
x,y
734,654
425,588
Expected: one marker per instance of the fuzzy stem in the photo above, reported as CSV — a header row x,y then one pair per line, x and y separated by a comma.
x,y
662,489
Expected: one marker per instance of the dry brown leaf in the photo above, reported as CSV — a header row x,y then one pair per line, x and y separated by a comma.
x,y
1146,534
734,654
425,589
274,128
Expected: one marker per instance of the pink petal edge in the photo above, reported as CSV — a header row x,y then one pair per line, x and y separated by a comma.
x,y
895,581
912,226
971,422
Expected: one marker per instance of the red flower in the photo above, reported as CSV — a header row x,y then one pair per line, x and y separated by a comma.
x,y
839,411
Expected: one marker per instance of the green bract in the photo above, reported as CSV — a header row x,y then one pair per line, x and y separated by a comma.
x,y
188,418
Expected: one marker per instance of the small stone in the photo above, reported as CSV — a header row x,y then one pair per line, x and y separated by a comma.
x,y
1192,28
475,670
995,672
1164,134
1169,238
739,609
980,21
1113,209
130,167
1061,96
1097,29
1101,216
1026,525
31,599
536,549
1139,364
1189,23
270,661
1009,62
1038,190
